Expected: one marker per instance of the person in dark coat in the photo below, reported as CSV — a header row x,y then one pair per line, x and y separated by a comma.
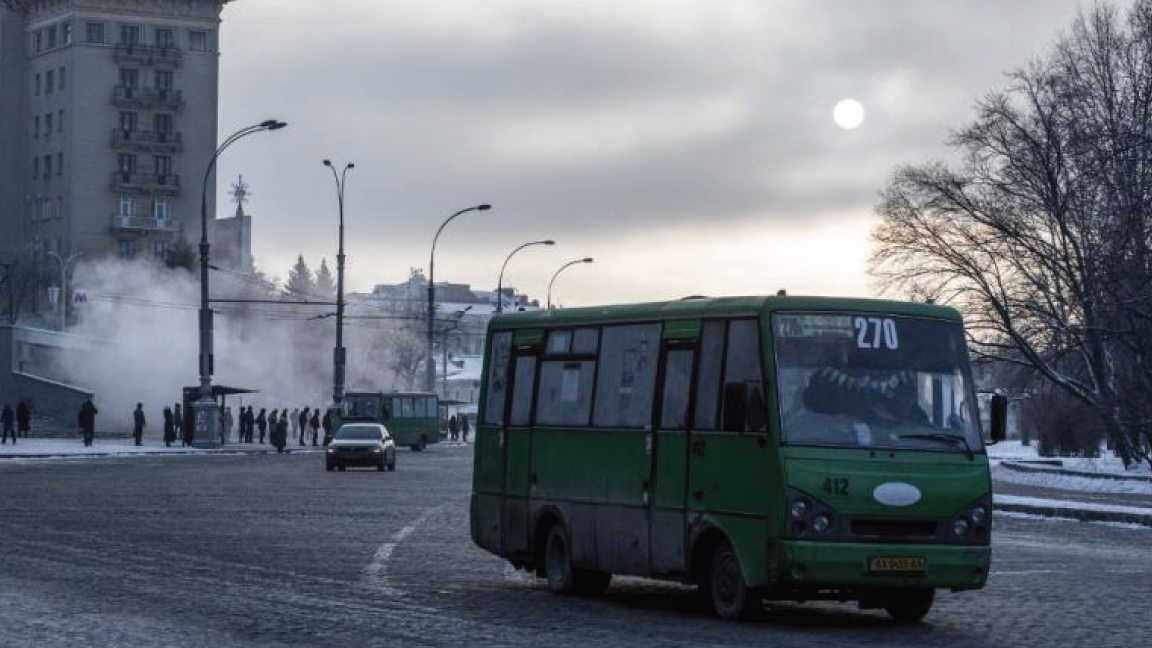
x,y
280,434
315,423
453,428
87,421
189,425
169,428
23,419
138,424
465,428
249,424
178,421
262,424
326,423
8,420
273,419
303,424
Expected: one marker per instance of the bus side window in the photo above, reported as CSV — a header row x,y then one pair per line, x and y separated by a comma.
x,y
501,355
388,410
627,380
743,380
708,375
522,391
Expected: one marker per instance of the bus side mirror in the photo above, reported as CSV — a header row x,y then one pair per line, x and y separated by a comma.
x,y
735,407
998,418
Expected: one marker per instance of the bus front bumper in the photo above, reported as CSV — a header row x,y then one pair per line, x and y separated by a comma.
x,y
845,565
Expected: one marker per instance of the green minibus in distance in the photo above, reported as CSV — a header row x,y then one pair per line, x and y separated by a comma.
x,y
412,418
797,448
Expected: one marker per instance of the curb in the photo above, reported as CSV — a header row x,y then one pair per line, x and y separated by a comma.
x,y
1081,515
1018,467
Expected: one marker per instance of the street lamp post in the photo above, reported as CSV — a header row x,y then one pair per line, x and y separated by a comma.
x,y
338,354
206,434
65,264
500,281
430,359
444,348
557,274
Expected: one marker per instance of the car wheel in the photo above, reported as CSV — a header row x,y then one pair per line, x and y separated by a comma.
x,y
910,606
392,463
329,467
729,595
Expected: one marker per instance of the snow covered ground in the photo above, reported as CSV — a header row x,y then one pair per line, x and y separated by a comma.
x,y
1105,463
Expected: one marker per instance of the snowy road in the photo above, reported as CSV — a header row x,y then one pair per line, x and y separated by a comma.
x,y
273,551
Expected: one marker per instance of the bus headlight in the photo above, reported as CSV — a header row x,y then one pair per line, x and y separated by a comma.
x,y
960,526
978,515
800,509
821,524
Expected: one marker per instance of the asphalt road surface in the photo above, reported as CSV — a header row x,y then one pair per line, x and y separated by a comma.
x,y
272,550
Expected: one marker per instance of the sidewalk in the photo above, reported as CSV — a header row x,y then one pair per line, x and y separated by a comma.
x,y
121,447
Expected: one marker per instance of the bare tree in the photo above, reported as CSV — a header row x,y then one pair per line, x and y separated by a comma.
x,y
1040,234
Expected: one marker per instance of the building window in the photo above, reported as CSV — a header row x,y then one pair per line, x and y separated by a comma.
x,y
61,79
59,206
128,122
129,35
59,164
129,78
36,126
198,41
160,210
60,121
160,249
162,164
162,124
37,84
95,32
127,249
163,80
127,163
164,38
49,82
39,41
127,207
51,37
48,125
47,166
45,209
66,32
35,168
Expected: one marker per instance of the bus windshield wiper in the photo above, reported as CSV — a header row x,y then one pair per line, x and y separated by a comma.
x,y
944,436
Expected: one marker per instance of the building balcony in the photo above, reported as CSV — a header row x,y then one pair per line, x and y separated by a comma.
x,y
148,141
144,224
138,183
147,98
143,55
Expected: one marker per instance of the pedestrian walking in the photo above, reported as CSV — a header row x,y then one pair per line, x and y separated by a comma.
x,y
23,419
262,423
169,427
315,423
178,422
303,424
465,427
87,420
138,424
8,420
295,421
189,425
273,419
280,433
226,431
453,428
326,423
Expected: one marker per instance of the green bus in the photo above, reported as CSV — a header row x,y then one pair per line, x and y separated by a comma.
x,y
412,418
794,448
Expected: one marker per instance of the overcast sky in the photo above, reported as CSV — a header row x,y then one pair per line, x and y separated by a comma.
x,y
687,145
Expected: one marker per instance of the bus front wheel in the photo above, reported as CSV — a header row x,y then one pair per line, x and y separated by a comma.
x,y
909,606
729,595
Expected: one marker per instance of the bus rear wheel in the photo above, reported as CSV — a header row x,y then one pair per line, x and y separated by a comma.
x,y
562,577
728,594
909,606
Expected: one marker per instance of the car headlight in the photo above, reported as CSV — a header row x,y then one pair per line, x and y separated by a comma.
x,y
960,526
822,523
978,515
376,450
331,449
799,509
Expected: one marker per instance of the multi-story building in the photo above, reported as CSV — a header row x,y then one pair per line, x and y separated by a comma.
x,y
108,118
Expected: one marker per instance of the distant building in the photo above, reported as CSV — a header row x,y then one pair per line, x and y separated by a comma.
x,y
108,118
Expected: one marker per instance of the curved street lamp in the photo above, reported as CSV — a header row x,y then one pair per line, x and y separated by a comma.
x,y
205,435
338,354
429,360
557,274
500,281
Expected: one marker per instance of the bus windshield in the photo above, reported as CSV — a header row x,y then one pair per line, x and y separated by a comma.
x,y
866,380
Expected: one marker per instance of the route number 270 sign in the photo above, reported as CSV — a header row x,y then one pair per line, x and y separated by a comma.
x,y
876,333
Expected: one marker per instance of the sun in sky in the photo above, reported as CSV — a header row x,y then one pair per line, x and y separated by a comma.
x,y
848,114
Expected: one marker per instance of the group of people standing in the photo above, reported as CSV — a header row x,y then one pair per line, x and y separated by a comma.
x,y
304,423
15,422
458,425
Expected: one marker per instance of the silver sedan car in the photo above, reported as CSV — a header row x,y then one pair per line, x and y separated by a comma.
x,y
361,444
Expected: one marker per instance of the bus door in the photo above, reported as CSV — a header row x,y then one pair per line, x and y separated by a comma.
x,y
729,479
668,530
516,434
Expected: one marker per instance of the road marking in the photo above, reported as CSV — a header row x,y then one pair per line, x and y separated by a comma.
x,y
375,575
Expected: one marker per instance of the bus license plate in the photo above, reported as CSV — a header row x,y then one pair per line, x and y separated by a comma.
x,y
897,564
